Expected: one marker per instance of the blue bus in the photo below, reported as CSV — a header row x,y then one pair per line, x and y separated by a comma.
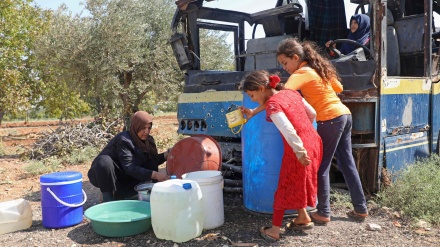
x,y
391,85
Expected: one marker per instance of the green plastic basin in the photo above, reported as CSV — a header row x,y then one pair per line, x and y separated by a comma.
x,y
120,218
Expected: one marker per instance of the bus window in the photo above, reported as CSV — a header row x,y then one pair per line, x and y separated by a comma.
x,y
214,44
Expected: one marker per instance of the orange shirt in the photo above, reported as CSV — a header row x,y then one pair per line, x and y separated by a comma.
x,y
322,97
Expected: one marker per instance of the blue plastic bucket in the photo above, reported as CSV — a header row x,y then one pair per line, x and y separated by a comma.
x,y
62,199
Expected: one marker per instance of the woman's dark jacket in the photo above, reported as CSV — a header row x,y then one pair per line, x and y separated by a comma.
x,y
134,162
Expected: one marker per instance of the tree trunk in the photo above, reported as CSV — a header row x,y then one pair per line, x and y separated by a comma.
x,y
125,79
138,101
2,113
126,114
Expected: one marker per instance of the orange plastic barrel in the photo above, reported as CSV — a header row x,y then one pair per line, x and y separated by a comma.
x,y
194,153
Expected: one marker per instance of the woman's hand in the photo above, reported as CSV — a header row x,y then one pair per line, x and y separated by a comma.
x,y
305,160
330,43
165,155
248,113
159,176
329,49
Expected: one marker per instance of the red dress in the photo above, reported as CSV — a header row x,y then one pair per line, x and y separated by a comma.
x,y
297,184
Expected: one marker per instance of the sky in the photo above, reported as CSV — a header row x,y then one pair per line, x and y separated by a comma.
x,y
248,6
76,6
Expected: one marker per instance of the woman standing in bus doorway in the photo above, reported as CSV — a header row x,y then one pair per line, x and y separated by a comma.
x,y
359,32
293,117
319,82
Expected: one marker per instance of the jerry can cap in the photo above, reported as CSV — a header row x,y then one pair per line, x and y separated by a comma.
x,y
187,186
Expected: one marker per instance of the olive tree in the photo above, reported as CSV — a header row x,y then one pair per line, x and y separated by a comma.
x,y
117,58
61,64
20,24
129,51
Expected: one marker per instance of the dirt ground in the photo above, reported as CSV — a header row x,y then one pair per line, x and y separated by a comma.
x,y
240,227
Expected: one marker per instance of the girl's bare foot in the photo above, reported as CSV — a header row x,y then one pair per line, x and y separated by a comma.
x,y
303,217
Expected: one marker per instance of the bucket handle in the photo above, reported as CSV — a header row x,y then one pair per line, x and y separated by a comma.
x,y
238,131
67,204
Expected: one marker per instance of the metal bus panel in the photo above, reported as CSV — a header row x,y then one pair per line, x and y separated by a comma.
x,y
435,117
197,81
404,123
204,113
404,106
261,53
403,150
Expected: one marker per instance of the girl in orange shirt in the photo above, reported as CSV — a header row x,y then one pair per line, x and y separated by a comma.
x,y
318,82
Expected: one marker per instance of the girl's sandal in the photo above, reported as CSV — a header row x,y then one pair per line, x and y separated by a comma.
x,y
266,236
319,222
292,226
357,216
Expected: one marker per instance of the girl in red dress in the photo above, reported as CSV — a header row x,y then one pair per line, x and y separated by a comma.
x,y
293,116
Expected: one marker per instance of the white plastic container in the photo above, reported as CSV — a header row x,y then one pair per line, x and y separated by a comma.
x,y
211,184
176,210
15,215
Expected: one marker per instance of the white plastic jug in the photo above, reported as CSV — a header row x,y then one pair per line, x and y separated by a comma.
x,y
15,215
211,184
176,210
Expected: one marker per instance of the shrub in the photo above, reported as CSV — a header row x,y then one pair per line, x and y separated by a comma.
x,y
415,191
53,163
340,199
39,167
82,156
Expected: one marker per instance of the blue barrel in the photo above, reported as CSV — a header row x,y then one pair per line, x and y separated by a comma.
x,y
263,150
62,199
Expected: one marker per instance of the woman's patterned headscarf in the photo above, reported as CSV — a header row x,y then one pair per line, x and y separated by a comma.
x,y
138,122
